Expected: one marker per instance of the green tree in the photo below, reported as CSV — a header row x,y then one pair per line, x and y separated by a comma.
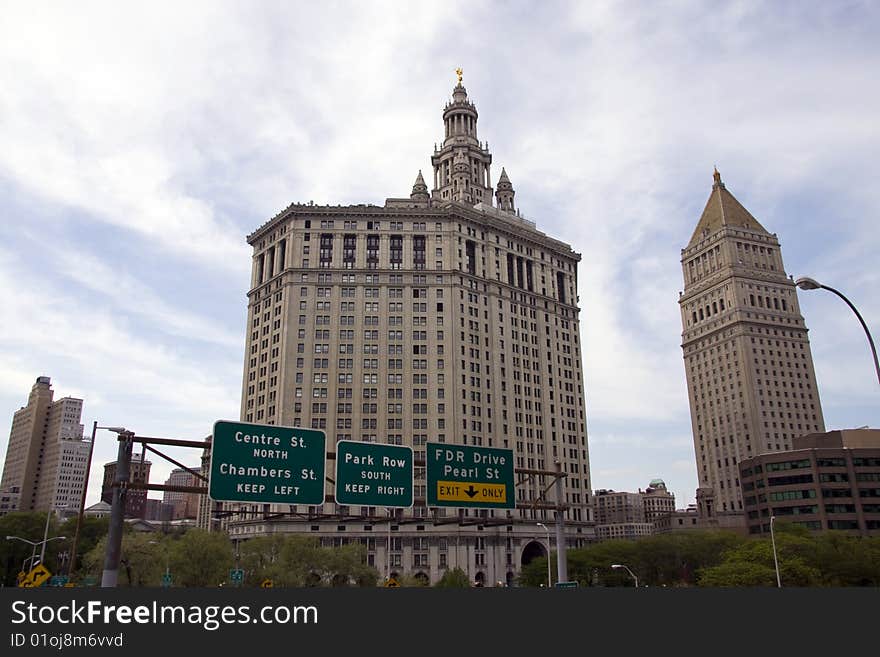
x,y
302,562
15,555
261,559
91,531
347,565
141,560
201,558
738,573
455,578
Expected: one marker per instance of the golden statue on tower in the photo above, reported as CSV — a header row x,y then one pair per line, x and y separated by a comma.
x,y
459,72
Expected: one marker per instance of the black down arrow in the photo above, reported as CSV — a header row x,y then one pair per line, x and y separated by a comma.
x,y
471,491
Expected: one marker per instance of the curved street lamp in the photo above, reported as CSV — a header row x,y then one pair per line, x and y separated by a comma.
x,y
632,574
549,577
807,283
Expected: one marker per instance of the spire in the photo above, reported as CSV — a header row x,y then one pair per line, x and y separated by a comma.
x,y
722,209
505,192
419,190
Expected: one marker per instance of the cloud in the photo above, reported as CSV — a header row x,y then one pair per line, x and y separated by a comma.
x,y
174,131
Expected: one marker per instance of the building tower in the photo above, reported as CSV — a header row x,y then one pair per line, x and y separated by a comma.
x,y
751,382
505,193
432,319
462,165
47,453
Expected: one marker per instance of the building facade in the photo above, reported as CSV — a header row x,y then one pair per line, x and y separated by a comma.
x,y
47,454
135,498
182,505
826,481
657,501
443,317
750,376
620,514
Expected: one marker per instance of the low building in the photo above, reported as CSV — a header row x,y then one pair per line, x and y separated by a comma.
x,y
631,515
99,510
624,530
828,480
657,501
615,508
679,520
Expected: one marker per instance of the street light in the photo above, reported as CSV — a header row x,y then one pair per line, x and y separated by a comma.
x,y
34,544
806,283
632,574
549,578
775,559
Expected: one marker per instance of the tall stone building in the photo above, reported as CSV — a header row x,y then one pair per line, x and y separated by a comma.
x,y
442,316
46,457
751,382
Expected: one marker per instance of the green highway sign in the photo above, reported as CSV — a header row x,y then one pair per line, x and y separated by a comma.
x,y
236,575
166,580
566,585
266,464
58,580
371,474
469,477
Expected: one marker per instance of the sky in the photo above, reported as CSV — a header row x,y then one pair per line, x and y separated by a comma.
x,y
141,142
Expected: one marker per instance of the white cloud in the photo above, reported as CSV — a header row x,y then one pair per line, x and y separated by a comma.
x,y
190,130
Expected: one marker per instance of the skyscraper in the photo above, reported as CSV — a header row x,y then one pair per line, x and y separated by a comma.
x,y
751,381
46,457
437,317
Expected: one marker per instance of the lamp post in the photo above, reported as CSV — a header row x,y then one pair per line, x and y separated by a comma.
x,y
632,574
775,559
549,577
34,544
806,283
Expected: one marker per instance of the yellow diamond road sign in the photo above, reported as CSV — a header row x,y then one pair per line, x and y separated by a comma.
x,y
466,491
37,577
267,584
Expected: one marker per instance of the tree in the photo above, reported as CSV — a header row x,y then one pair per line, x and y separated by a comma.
x,y
142,559
345,565
738,573
15,555
261,559
302,562
90,532
201,558
454,579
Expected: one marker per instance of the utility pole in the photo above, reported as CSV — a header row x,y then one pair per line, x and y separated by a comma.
x,y
82,504
117,511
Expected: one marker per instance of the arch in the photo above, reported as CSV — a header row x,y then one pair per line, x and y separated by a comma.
x,y
422,579
480,580
531,551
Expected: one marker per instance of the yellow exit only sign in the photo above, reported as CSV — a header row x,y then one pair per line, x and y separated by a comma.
x,y
466,491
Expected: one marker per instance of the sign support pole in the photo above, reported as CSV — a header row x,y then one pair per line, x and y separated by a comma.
x,y
561,558
117,512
